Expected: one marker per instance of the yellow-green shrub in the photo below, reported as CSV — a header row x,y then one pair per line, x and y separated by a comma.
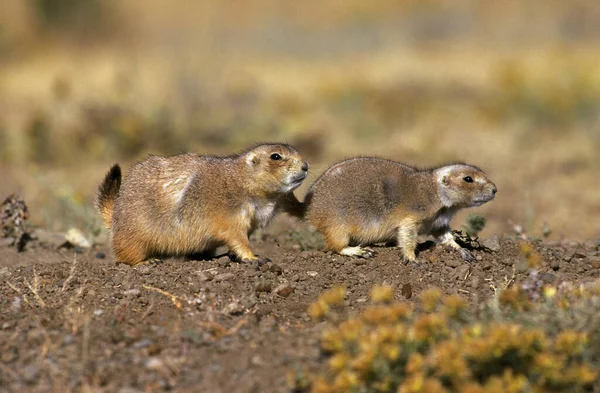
x,y
512,344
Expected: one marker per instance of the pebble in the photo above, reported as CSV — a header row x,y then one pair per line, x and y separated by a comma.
x,y
475,282
263,286
486,266
406,291
462,271
492,243
555,264
521,266
452,262
276,269
31,372
155,364
131,293
224,277
312,273
234,308
547,278
144,270
53,239
207,276
142,343
359,261
284,290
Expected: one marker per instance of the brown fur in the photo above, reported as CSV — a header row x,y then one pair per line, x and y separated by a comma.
x,y
365,200
190,204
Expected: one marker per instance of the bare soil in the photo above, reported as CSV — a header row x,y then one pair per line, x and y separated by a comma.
x,y
74,321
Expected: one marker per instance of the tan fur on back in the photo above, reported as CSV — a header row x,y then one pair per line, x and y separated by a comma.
x,y
366,200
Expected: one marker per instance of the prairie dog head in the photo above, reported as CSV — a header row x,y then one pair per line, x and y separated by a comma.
x,y
462,185
276,168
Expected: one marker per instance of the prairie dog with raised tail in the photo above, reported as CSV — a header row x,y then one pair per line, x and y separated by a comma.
x,y
191,204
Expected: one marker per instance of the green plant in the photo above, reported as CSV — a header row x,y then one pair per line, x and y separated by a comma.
x,y
474,224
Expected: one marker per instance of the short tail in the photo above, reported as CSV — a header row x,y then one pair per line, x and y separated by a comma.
x,y
107,193
294,207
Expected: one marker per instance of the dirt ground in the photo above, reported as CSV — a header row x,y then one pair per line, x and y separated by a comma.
x,y
80,322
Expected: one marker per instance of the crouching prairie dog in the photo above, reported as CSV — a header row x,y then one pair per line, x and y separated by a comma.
x,y
364,200
191,204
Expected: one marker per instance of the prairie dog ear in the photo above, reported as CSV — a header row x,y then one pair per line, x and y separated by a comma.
x,y
252,159
445,180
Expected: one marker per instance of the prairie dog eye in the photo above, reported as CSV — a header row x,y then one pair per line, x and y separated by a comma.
x,y
275,156
468,179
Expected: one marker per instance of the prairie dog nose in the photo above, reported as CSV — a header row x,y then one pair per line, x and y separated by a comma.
x,y
304,166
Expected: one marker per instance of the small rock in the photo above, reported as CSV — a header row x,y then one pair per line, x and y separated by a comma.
x,y
555,264
492,243
594,261
521,266
77,239
224,277
132,293
312,273
568,255
462,271
144,270
98,312
31,372
406,291
155,364
359,261
224,261
263,286
591,245
128,389
547,278
52,239
250,273
4,272
206,276
452,262
9,355
276,269
100,255
486,266
7,241
142,343
234,308
284,290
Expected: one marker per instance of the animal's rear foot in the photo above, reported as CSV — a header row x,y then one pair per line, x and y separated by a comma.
x,y
359,252
466,254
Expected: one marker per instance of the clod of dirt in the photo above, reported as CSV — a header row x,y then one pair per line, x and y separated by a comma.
x,y
276,269
461,272
263,286
406,291
284,290
13,214
224,277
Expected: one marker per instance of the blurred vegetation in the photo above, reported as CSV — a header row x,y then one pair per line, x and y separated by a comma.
x,y
84,83
528,339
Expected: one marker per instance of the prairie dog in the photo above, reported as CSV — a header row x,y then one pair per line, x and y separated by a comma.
x,y
361,201
190,204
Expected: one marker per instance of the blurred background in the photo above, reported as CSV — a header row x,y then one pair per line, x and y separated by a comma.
x,y
510,86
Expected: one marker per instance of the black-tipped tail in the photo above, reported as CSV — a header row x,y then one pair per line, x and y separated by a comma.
x,y
107,193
